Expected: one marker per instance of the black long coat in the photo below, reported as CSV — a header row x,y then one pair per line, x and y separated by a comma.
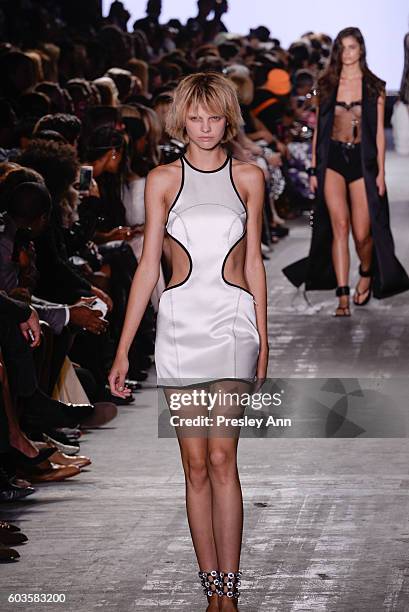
x,y
316,270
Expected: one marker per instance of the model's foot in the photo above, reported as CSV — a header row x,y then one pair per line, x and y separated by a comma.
x,y
213,604
228,604
342,309
362,290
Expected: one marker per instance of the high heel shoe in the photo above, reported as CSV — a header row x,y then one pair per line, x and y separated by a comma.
x,y
357,294
342,311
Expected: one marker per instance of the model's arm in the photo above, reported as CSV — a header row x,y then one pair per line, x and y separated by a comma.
x,y
380,145
145,278
313,179
254,271
314,143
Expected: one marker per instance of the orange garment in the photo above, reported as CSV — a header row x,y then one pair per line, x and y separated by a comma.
x,y
256,111
278,82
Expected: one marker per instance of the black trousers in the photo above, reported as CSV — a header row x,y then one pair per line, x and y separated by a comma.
x,y
121,258
21,373
4,428
18,357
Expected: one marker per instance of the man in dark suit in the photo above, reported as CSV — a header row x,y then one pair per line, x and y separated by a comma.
x,y
27,217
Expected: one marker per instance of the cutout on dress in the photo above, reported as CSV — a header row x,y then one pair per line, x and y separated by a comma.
x,y
234,263
181,263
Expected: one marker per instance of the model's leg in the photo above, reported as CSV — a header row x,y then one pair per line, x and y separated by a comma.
x,y
335,194
227,511
361,230
193,448
199,507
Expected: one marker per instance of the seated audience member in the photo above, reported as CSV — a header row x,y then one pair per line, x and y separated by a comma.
x,y
58,280
271,97
69,126
27,217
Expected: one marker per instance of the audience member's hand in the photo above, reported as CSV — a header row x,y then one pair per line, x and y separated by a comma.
x,y
103,296
122,232
84,316
94,189
31,329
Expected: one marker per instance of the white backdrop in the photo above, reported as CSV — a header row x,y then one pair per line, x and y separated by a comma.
x,y
383,23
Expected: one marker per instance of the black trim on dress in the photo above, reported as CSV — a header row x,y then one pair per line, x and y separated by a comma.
x,y
234,186
207,171
224,263
190,263
179,192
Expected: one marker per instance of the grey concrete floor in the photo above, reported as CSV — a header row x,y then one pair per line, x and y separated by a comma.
x,y
326,520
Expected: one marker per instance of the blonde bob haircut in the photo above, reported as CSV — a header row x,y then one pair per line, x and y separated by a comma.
x,y
211,90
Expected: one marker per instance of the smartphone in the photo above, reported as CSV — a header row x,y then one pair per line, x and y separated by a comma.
x,y
85,178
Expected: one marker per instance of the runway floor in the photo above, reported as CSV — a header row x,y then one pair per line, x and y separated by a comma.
x,y
326,520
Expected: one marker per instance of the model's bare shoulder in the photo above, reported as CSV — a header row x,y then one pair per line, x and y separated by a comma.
x,y
165,177
248,178
246,170
165,172
164,181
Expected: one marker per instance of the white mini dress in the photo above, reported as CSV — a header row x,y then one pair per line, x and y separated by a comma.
x,y
206,326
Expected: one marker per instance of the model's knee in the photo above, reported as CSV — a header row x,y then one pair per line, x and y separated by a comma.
x,y
222,465
196,472
341,229
362,241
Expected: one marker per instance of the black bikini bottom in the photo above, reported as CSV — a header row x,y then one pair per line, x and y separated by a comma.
x,y
345,158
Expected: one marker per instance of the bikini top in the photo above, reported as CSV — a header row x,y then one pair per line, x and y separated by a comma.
x,y
347,105
347,121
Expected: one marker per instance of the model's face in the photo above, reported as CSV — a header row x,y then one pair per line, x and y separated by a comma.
x,y
204,128
351,50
